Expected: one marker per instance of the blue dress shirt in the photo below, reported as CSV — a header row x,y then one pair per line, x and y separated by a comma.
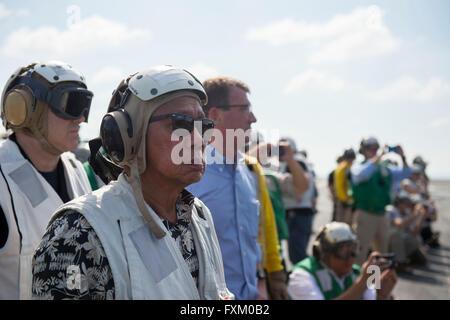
x,y
361,172
229,191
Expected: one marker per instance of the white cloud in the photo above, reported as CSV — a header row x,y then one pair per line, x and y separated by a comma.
x,y
92,33
107,75
4,12
409,88
23,12
361,33
202,71
440,122
314,80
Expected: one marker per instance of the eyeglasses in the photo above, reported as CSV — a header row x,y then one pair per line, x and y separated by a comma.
x,y
184,121
243,107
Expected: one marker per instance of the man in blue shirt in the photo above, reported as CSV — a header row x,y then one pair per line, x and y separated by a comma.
x,y
228,188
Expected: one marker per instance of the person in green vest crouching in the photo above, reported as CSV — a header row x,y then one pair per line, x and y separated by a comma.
x,y
331,273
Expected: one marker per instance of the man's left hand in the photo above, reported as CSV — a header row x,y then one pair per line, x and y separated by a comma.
x,y
277,285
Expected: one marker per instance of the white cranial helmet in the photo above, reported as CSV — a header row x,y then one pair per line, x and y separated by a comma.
x,y
331,236
338,232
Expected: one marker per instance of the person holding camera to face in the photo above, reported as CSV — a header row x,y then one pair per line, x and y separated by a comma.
x,y
331,273
300,208
371,182
280,184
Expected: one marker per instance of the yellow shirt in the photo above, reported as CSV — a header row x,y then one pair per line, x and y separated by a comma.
x,y
267,235
341,185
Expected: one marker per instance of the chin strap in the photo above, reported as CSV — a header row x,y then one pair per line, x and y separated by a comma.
x,y
36,134
45,144
38,128
135,183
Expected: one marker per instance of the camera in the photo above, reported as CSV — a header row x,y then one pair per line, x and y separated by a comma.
x,y
281,151
390,260
391,149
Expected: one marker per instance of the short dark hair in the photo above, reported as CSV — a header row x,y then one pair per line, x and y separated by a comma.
x,y
217,90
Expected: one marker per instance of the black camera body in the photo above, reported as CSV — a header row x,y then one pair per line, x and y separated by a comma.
x,y
281,151
390,257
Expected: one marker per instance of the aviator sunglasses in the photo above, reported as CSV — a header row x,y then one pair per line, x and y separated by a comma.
x,y
184,121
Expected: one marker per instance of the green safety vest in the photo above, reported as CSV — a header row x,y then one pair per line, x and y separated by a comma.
x,y
91,175
374,195
328,285
278,207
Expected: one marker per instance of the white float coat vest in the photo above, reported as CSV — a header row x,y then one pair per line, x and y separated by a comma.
x,y
144,267
28,202
305,199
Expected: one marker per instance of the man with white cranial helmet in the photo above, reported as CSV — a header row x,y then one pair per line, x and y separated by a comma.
x,y
43,104
143,236
331,273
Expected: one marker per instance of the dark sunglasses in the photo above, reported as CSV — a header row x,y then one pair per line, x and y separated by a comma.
x,y
184,121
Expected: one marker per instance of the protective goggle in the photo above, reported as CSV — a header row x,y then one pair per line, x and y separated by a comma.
x,y
346,251
69,102
186,122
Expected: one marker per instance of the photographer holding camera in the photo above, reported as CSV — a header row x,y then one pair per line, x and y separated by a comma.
x,y
331,273
371,182
280,184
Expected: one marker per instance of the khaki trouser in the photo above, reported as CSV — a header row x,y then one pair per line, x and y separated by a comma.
x,y
344,213
403,244
372,230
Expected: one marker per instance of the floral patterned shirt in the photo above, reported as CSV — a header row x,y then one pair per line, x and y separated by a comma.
x,y
70,262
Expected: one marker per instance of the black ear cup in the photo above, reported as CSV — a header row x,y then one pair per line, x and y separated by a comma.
x,y
103,167
112,130
18,107
316,250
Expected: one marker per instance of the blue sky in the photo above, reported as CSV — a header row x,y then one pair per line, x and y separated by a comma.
x,y
323,72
